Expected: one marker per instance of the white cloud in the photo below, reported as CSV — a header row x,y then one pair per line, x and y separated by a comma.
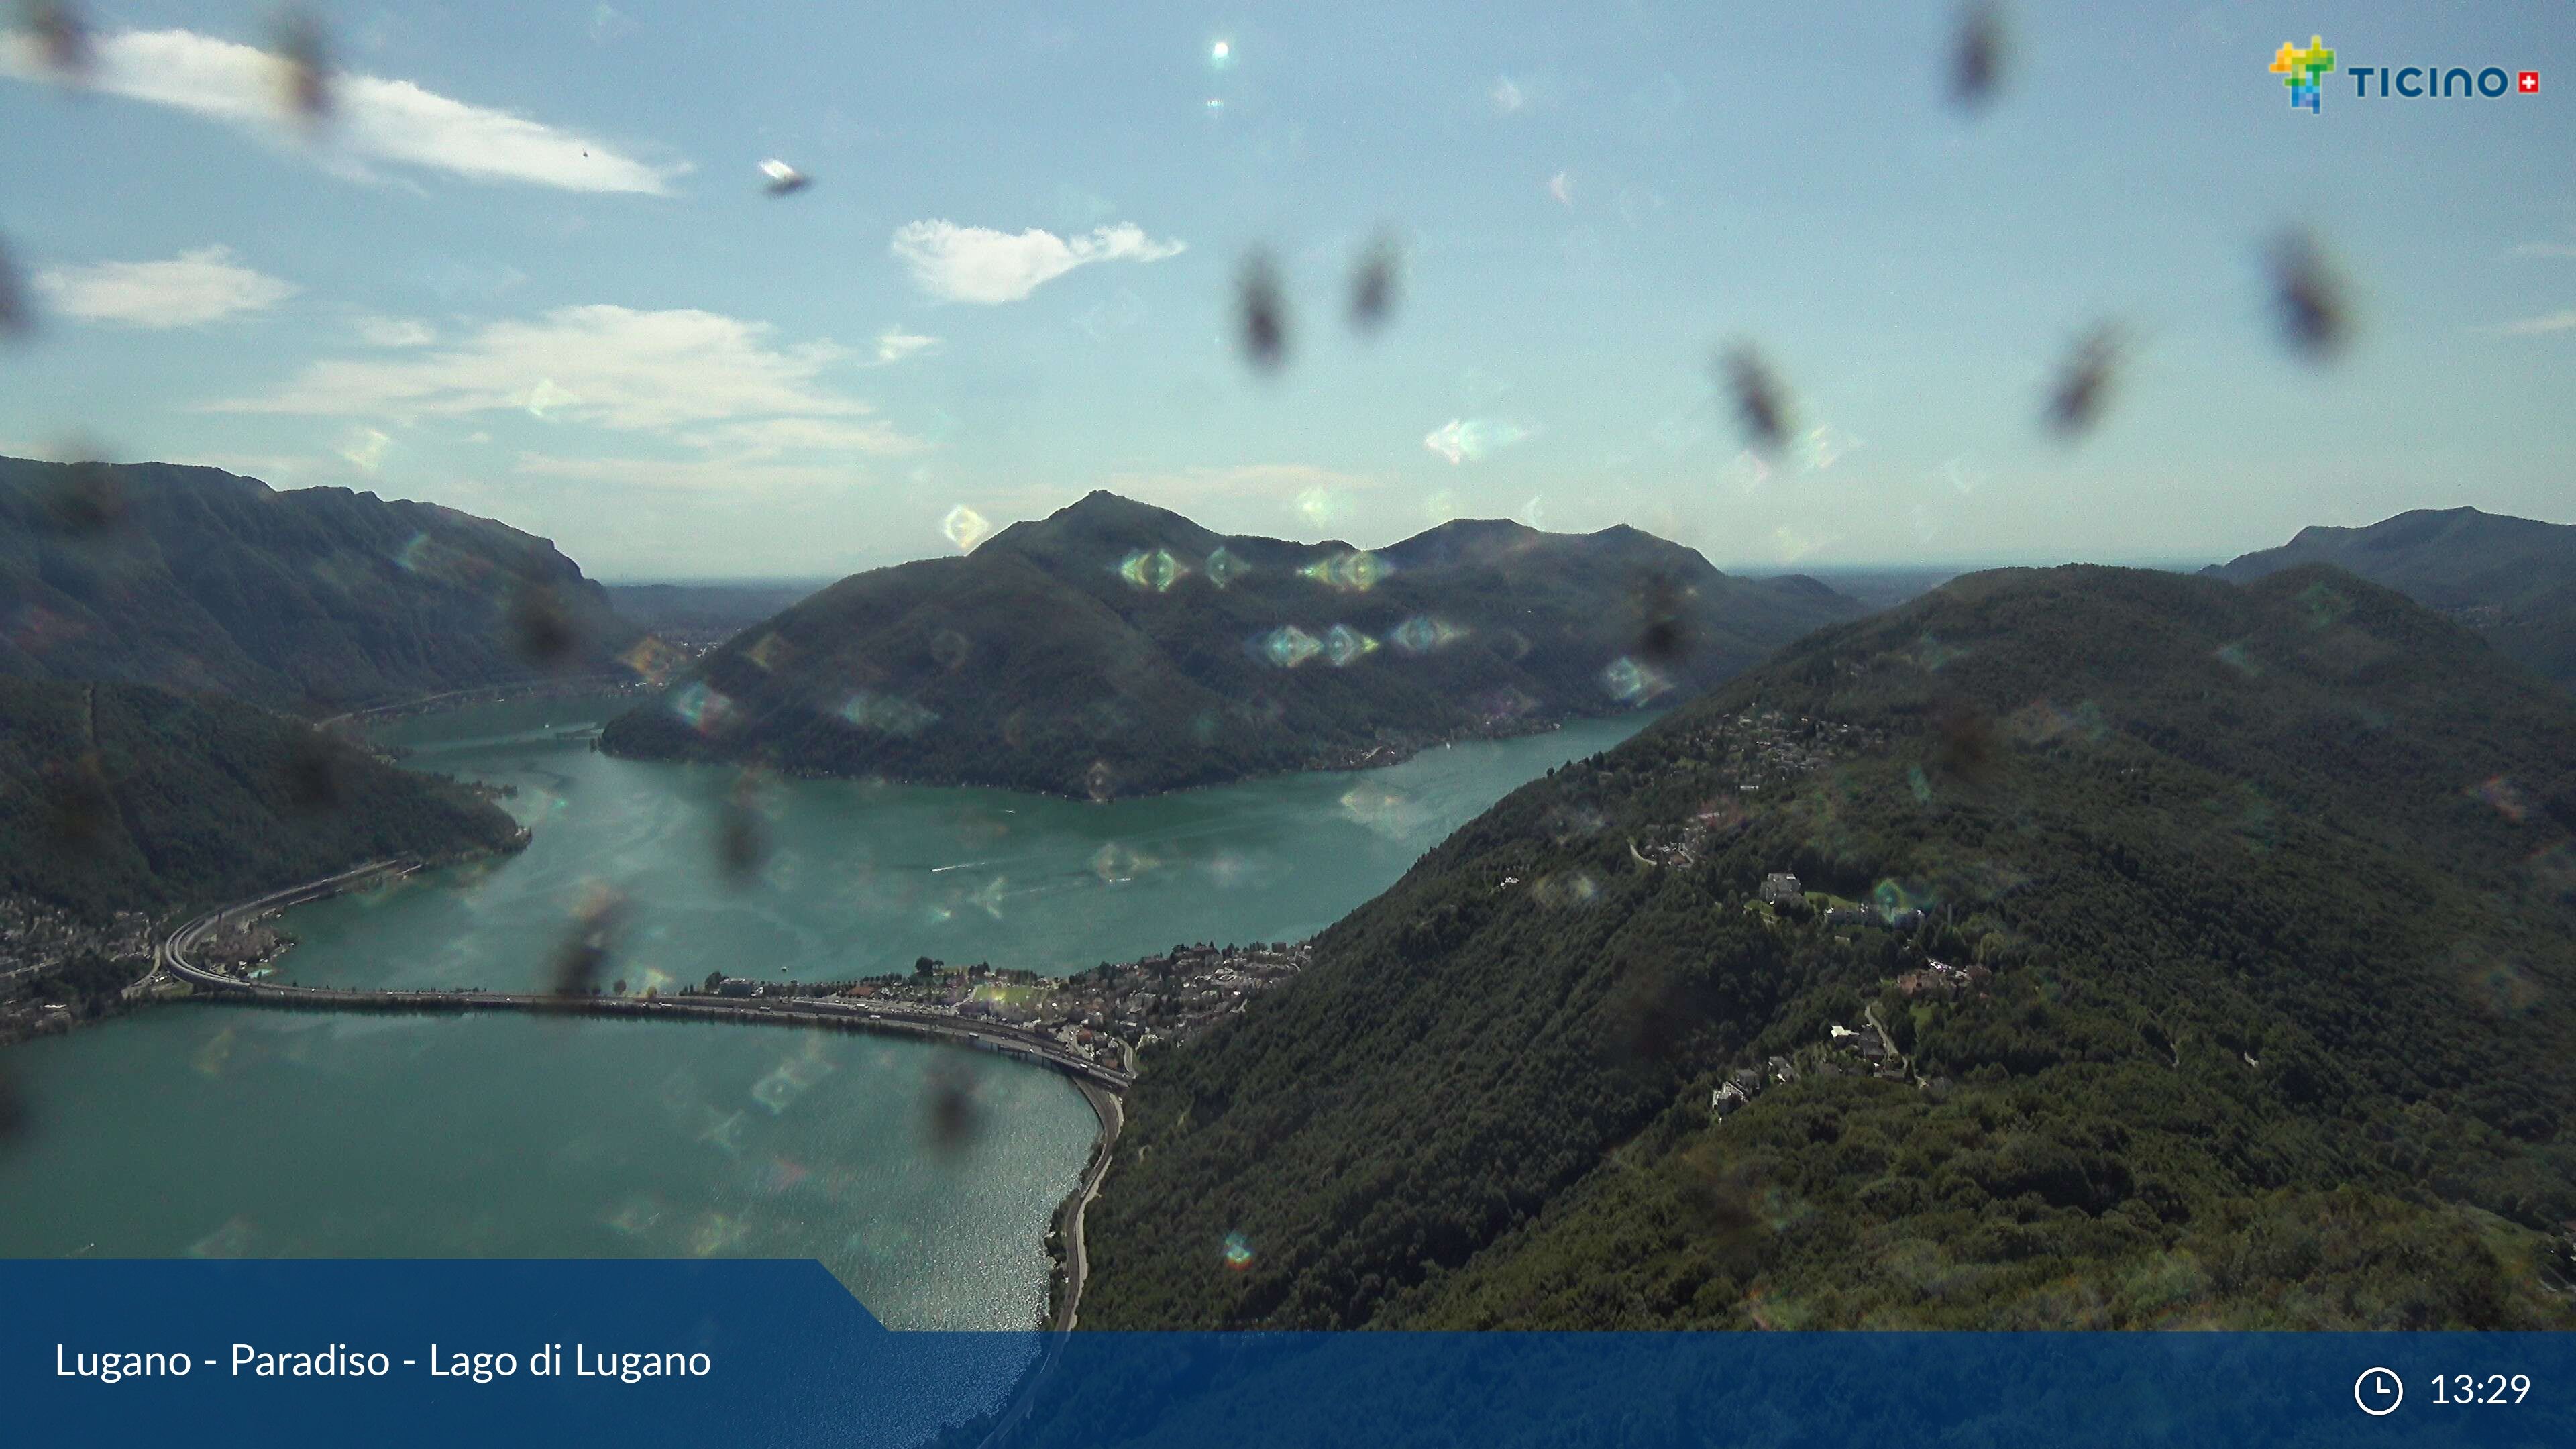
x,y
375,119
2546,249
612,367
1507,95
730,407
189,290
978,264
1463,440
395,332
365,448
1561,186
2540,326
608,23
894,344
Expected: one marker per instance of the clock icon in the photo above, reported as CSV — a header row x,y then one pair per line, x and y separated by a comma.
x,y
2378,1391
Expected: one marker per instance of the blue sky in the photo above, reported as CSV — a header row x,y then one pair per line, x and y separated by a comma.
x,y
528,270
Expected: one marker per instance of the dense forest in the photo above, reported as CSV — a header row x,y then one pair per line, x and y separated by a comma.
x,y
117,797
312,601
2164,952
1118,649
2513,579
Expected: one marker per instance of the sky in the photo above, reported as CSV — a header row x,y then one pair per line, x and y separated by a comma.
x,y
527,267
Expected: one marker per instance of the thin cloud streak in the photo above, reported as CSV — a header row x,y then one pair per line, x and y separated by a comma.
x,y
612,367
979,264
189,290
374,119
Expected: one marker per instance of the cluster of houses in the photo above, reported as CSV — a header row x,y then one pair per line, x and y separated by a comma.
x,y
1105,1013
36,940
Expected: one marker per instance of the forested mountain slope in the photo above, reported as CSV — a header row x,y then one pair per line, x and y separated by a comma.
x,y
1116,649
2513,579
311,601
118,797
2254,912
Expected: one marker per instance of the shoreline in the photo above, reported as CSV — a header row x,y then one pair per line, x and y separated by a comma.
x,y
1369,761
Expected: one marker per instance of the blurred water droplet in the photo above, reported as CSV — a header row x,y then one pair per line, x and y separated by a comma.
x,y
1376,281
2310,296
1977,56
86,499
542,631
62,38
591,945
2083,387
311,774
17,317
742,831
305,78
953,1117
1261,312
1761,404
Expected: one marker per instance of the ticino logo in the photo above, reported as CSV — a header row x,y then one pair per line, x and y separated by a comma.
x,y
2303,68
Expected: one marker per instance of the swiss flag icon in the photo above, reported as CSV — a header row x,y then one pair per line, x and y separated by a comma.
x,y
2528,83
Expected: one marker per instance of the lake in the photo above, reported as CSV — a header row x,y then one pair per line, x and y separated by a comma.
x,y
233,1131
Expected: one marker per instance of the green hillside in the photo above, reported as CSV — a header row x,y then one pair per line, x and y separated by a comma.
x,y
2270,899
1118,649
124,798
2513,579
312,601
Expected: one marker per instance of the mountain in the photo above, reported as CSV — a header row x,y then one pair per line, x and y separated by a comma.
x,y
120,797
2223,940
311,601
1117,649
2514,579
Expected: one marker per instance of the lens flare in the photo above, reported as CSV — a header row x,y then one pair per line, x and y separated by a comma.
x,y
1156,570
965,528
1423,634
1343,645
1348,573
1288,646
1630,682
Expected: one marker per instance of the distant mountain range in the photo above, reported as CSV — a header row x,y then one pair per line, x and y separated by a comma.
x,y
309,601
119,797
2161,953
2512,579
1115,649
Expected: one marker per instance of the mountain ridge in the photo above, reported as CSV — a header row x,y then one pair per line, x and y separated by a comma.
x,y
309,601
2514,579
1116,648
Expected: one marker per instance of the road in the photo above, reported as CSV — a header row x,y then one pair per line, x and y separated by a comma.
x,y
1077,1261
835,1012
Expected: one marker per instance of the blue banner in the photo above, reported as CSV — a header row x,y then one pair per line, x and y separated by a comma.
x,y
776,1353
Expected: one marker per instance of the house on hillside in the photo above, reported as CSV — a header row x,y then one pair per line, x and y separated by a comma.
x,y
1780,886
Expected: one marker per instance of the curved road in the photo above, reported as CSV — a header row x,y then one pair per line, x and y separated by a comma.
x,y
842,1013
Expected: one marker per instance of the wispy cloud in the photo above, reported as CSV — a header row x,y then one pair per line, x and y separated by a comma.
x,y
2546,249
612,367
376,119
2539,326
978,264
894,344
188,290
394,331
